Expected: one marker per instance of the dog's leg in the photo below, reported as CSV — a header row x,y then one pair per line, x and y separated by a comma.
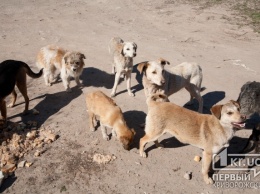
x,y
104,132
46,76
3,109
158,145
91,118
206,162
65,79
195,92
117,77
78,82
14,96
128,83
21,85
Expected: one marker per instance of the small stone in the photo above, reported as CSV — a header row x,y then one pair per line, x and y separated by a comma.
x,y
21,164
187,175
31,135
37,153
197,158
28,164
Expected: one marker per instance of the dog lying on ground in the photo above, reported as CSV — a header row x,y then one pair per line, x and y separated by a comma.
x,y
110,115
123,54
185,75
249,99
14,73
69,63
208,132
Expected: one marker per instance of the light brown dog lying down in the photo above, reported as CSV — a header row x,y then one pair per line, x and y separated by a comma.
x,y
208,132
110,115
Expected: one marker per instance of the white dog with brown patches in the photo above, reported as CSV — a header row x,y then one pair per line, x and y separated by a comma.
x,y
208,132
70,64
123,54
185,75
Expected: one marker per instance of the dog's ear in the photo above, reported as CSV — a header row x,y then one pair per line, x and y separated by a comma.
x,y
82,56
120,49
135,45
163,61
66,56
133,131
141,67
125,141
216,110
235,103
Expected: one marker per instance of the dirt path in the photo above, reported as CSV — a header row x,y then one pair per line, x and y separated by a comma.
x,y
228,54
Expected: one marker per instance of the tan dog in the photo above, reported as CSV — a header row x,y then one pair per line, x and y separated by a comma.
x,y
70,65
110,115
14,73
123,54
208,132
185,75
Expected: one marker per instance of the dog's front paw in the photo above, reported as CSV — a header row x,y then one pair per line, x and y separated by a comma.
x,y
143,154
68,90
208,180
10,105
131,94
106,137
113,94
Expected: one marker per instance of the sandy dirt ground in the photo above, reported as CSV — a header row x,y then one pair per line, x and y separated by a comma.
x,y
227,52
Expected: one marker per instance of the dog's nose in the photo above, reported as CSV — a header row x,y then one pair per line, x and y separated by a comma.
x,y
74,69
243,117
134,54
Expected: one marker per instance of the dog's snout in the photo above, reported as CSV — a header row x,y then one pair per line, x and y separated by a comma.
x,y
163,81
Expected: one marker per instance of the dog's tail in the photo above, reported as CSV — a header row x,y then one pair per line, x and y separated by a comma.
x,y
157,97
30,73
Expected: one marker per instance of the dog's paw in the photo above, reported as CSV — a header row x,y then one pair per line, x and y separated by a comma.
x,y
106,137
10,105
68,90
143,154
112,94
131,94
208,181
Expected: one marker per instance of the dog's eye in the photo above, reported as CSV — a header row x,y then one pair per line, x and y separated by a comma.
x,y
229,113
154,72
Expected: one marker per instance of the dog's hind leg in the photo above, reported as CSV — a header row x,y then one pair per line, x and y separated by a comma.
x,y
128,83
91,118
206,162
14,96
104,132
21,85
117,77
195,92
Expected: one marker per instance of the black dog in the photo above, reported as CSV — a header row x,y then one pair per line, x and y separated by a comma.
x,y
14,73
249,99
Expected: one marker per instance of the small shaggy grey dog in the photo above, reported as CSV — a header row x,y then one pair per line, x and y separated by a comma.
x,y
249,99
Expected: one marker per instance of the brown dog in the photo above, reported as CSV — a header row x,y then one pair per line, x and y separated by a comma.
x,y
110,115
208,132
14,73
